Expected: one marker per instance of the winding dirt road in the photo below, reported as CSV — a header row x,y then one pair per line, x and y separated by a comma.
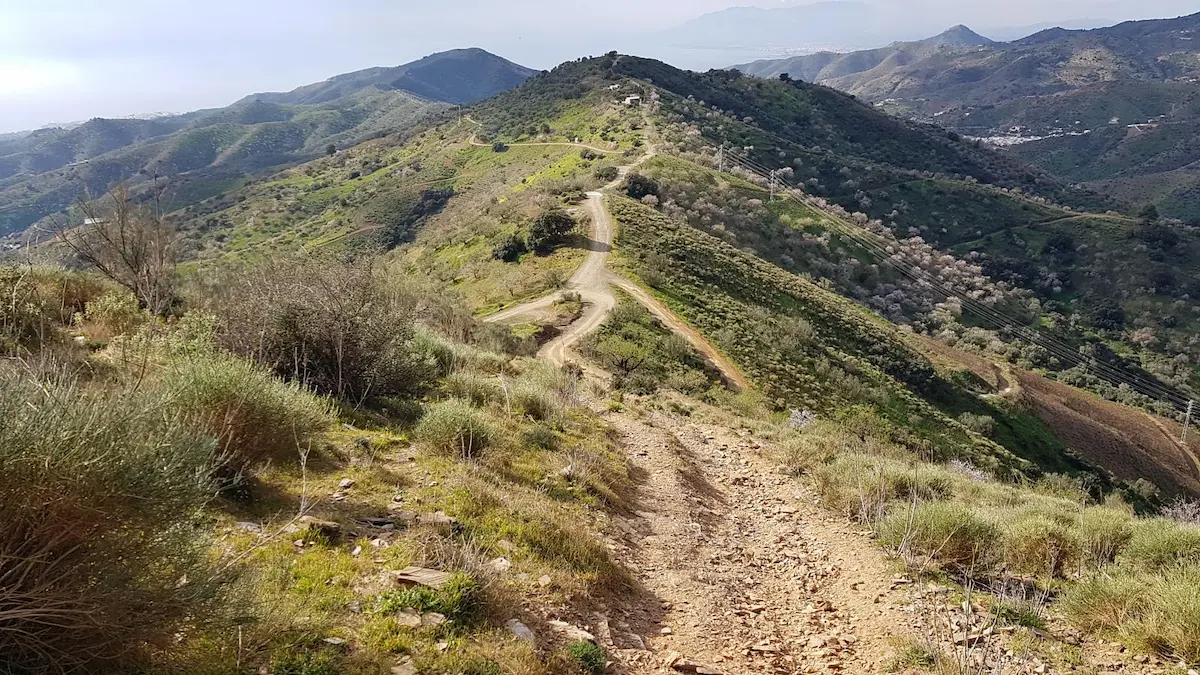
x,y
593,282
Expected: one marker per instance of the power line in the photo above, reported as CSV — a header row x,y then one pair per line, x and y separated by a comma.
x,y
915,273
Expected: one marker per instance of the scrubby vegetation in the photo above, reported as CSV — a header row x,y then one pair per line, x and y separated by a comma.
x,y
171,510
1105,569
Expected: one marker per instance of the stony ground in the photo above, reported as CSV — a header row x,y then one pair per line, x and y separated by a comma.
x,y
740,570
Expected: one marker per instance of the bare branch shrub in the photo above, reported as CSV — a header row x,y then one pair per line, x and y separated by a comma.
x,y
131,245
341,327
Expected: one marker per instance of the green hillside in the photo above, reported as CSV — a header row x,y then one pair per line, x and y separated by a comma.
x,y
1101,107
200,154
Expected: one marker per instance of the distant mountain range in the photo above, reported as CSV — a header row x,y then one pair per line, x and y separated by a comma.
x,y
1108,106
199,154
837,25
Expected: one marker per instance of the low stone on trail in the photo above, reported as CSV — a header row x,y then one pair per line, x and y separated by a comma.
x,y
519,629
682,665
421,576
571,632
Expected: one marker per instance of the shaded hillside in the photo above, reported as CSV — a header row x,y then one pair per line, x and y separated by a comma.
x,y
1090,106
456,76
205,153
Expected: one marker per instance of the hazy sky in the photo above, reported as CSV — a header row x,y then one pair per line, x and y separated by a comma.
x,y
66,60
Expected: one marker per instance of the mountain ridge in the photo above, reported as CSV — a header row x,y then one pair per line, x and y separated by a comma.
x,y
196,154
1090,106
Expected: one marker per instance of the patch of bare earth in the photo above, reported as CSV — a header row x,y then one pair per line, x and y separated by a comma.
x,y
741,572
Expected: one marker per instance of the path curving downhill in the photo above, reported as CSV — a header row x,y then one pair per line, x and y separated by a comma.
x,y
593,282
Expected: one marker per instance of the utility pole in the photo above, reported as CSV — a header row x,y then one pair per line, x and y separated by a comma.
x,y
1187,421
774,182
721,159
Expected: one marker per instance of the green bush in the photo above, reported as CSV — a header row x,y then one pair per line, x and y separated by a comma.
x,y
479,389
455,427
607,173
100,558
548,230
863,487
540,436
1158,543
533,400
1156,612
1103,533
460,600
1037,544
944,533
590,656
253,415
509,248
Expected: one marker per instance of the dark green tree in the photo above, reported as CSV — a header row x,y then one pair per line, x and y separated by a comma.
x,y
549,230
638,186
331,150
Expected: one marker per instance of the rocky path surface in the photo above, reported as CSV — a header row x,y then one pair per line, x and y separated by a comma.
x,y
741,571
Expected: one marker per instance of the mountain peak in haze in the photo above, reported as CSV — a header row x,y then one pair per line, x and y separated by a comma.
x,y
961,36
457,76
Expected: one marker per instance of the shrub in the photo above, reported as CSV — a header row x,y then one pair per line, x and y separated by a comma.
x,y
944,533
1159,612
607,173
638,186
99,558
1104,602
479,389
1183,511
1157,543
252,415
590,656
533,400
509,248
341,327
454,427
541,436
1103,533
862,487
117,312
38,303
549,229
1037,544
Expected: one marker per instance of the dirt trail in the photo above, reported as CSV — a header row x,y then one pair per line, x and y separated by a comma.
x,y
741,571
593,281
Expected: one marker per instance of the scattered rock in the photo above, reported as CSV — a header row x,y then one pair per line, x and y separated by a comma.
x,y
334,640
325,528
346,483
356,552
409,618
421,576
682,665
665,631
377,522
499,565
433,619
249,527
404,667
570,632
520,630
544,581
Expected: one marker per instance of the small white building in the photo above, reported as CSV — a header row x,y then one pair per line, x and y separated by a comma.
x,y
634,101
